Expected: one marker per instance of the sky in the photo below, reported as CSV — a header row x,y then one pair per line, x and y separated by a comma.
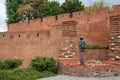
x,y
3,25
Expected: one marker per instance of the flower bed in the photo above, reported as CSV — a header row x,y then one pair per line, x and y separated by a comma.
x,y
89,70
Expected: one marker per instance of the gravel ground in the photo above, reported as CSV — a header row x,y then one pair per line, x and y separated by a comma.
x,y
66,77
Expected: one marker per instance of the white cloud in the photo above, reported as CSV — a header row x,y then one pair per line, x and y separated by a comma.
x,y
3,25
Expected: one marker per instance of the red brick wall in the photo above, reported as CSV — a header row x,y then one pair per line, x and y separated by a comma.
x,y
96,54
99,70
93,54
94,27
28,45
114,44
72,67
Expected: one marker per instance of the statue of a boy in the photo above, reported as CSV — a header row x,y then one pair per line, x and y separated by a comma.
x,y
82,47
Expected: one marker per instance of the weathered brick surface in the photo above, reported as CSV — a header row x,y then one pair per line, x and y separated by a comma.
x,y
88,70
114,37
97,54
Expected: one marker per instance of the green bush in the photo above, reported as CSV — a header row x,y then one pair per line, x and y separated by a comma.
x,y
2,65
12,63
44,64
96,47
23,74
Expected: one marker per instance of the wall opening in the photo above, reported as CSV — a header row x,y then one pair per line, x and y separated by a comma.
x,y
19,35
28,36
3,35
11,36
37,34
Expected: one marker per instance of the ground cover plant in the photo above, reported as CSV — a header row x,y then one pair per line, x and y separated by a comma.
x,y
96,47
23,74
9,69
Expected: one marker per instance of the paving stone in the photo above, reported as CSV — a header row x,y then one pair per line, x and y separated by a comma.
x,y
66,77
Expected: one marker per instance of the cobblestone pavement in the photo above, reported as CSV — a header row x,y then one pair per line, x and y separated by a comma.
x,y
66,77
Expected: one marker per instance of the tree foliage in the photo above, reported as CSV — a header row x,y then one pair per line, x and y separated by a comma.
x,y
11,8
98,5
20,10
50,9
29,9
72,6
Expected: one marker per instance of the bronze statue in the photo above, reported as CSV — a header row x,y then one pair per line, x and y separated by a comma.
x,y
82,47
